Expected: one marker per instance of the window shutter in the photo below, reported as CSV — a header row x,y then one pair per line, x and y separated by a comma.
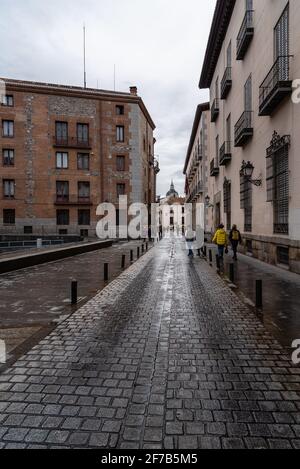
x,y
270,179
242,191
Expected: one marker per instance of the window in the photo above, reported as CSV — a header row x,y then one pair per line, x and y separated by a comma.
x,y
8,128
9,217
62,160
120,163
248,95
61,131
8,157
217,89
28,230
83,133
84,191
83,161
278,182
120,110
229,55
84,217
217,151
121,189
62,191
283,255
8,100
228,128
227,202
120,133
246,201
62,218
249,5
9,188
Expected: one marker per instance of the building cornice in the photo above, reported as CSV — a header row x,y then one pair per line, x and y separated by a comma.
x,y
200,109
221,20
76,92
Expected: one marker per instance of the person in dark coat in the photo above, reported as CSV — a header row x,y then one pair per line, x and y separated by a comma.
x,y
235,239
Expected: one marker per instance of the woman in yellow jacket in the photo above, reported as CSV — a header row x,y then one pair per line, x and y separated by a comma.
x,y
221,240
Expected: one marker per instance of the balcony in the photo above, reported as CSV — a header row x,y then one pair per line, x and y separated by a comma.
x,y
214,168
226,83
245,35
71,142
225,154
243,130
72,200
215,109
276,86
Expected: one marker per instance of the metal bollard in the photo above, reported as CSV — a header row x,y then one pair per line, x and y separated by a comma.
x,y
131,256
123,261
231,273
147,246
143,248
138,252
205,251
259,294
210,256
106,272
74,292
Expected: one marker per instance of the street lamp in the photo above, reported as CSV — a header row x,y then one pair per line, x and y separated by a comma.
x,y
247,171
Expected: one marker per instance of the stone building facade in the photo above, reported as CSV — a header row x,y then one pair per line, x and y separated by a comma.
x,y
67,149
251,62
197,163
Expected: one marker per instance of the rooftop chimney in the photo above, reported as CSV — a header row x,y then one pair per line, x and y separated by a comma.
x,y
133,90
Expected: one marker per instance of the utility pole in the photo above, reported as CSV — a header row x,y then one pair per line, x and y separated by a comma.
x,y
84,55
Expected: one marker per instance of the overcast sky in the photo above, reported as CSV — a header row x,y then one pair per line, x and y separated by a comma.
x,y
157,45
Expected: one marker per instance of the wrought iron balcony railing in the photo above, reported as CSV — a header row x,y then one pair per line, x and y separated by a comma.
x,y
276,86
215,109
214,168
245,35
243,129
72,200
71,142
226,83
225,153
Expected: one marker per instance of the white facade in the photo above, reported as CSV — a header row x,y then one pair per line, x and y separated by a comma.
x,y
271,231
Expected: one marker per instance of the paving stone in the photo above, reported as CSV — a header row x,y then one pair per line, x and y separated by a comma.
x,y
165,357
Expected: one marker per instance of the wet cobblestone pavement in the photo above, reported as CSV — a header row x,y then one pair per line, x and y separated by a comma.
x,y
165,357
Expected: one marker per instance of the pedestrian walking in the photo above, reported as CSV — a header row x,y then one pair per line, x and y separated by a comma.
x,y
190,237
235,239
221,240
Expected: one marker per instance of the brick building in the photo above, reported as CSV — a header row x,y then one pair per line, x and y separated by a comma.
x,y
65,150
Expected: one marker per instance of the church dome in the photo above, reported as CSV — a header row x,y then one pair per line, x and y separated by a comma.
x,y
172,192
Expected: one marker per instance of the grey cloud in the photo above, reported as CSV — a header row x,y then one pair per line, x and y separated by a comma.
x,y
157,45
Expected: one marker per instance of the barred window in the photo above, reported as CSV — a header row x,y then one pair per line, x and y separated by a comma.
x,y
278,182
227,202
246,201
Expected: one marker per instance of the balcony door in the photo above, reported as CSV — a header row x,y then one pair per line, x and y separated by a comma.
x,y
281,45
248,94
62,131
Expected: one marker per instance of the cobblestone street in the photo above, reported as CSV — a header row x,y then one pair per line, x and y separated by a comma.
x,y
166,356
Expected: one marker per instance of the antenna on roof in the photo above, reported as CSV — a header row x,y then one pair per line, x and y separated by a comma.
x,y
84,56
114,77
